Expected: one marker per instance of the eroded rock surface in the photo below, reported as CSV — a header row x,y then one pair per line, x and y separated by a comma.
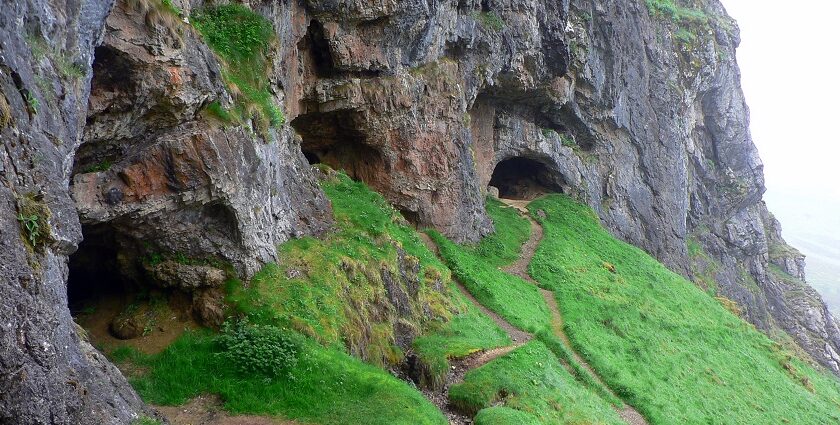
x,y
105,134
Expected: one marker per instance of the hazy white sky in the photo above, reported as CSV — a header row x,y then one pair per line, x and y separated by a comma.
x,y
790,74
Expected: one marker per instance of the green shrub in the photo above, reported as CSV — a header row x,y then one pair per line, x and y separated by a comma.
x,y
33,217
676,12
258,349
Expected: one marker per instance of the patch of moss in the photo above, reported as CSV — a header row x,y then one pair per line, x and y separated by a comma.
x,y
5,112
490,20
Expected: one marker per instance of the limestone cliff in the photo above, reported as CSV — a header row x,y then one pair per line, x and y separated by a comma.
x,y
109,116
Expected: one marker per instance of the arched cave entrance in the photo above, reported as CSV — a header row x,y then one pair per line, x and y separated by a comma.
x,y
525,178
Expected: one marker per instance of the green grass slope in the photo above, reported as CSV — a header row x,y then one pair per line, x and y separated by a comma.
x,y
662,344
328,292
529,386
504,245
331,288
326,386
516,300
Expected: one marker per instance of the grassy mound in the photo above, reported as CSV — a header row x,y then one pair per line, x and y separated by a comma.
x,y
326,386
333,290
662,344
528,386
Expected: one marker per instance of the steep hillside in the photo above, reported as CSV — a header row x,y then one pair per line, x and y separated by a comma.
x,y
623,329
156,153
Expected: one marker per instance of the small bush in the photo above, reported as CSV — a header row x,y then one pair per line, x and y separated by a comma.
x,y
258,349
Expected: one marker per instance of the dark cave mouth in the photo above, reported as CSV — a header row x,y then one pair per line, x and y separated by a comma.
x,y
525,179
109,295
94,271
333,138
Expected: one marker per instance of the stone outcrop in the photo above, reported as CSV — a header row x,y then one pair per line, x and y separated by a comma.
x,y
105,135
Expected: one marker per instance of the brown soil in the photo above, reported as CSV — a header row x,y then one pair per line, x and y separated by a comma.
x,y
170,321
207,410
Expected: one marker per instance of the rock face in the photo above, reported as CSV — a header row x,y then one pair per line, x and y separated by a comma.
x,y
105,135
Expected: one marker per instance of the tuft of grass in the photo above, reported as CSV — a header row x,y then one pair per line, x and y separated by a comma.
x,y
529,385
145,420
32,103
518,301
659,342
242,38
33,217
99,167
326,386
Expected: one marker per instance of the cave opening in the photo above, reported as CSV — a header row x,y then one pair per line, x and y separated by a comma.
x,y
333,138
316,51
411,216
111,297
311,157
94,272
524,179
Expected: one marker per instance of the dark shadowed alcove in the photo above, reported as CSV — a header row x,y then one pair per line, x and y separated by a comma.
x,y
333,138
524,178
94,270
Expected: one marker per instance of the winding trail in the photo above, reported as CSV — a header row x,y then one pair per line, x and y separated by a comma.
x,y
459,367
520,268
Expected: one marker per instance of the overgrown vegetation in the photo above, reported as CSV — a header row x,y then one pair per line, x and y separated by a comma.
x,y
241,38
323,291
676,12
704,268
99,167
529,386
333,288
662,344
259,349
490,20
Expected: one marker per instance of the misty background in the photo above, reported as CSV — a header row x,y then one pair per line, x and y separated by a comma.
x,y
789,60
